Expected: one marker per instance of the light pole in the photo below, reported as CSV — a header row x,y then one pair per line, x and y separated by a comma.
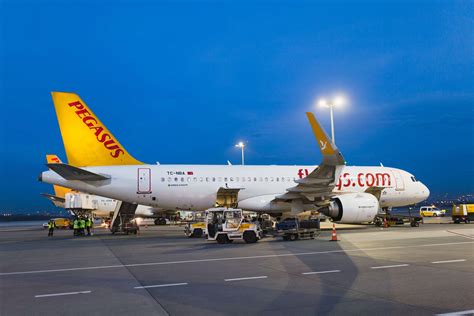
x,y
241,145
337,101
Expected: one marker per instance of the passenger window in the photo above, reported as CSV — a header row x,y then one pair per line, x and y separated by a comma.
x,y
225,179
182,179
220,179
260,179
231,179
266,179
175,179
213,179
277,179
249,179
207,179
200,179
163,179
271,179
237,179
195,179
169,179
243,179
189,179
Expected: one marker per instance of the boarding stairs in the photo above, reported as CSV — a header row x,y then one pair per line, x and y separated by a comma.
x,y
124,212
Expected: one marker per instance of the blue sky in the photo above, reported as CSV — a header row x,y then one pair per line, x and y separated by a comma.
x,y
182,82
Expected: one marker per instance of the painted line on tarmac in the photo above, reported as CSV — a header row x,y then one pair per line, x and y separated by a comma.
x,y
391,266
462,235
62,294
247,278
449,261
298,254
321,272
469,312
159,285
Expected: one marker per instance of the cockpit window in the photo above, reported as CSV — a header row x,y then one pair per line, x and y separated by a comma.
x,y
413,179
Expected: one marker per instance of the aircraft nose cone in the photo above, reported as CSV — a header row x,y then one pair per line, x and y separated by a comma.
x,y
425,191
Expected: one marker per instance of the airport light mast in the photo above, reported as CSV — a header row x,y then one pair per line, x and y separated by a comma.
x,y
241,145
336,101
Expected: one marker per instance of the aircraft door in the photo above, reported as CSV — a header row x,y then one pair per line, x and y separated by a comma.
x,y
227,198
144,181
399,184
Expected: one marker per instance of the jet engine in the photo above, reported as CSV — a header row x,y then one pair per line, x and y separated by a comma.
x,y
352,208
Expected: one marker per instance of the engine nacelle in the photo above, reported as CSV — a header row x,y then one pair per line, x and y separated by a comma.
x,y
352,208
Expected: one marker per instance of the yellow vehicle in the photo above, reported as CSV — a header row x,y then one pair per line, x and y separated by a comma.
x,y
225,225
62,223
431,211
463,213
195,229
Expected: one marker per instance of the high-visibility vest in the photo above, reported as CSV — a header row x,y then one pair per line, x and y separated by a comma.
x,y
50,225
89,222
82,223
76,224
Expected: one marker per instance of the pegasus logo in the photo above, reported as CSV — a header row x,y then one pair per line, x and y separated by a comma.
x,y
92,123
323,144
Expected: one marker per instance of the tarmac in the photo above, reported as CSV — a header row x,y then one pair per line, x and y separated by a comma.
x,y
398,270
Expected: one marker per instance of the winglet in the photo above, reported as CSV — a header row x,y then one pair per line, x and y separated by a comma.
x,y
331,154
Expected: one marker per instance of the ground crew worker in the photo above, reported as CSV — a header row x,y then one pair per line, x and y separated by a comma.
x,y
75,225
88,226
82,226
51,225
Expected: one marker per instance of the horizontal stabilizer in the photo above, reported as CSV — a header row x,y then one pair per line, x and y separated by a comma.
x,y
56,200
69,172
53,198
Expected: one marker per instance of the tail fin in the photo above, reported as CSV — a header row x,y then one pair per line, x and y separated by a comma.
x,y
331,154
86,140
58,190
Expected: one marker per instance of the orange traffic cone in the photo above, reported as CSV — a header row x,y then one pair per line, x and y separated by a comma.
x,y
334,235
385,223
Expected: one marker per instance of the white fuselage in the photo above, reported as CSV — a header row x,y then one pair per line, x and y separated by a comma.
x,y
194,187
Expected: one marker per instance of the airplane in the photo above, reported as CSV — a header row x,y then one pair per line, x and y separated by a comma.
x,y
99,164
103,206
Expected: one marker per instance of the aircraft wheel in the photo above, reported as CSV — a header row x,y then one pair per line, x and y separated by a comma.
x,y
293,237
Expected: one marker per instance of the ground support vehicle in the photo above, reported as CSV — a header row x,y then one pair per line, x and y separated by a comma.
x,y
431,211
396,219
292,229
463,213
225,225
60,222
197,229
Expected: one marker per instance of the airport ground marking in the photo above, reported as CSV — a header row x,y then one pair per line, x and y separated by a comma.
x,y
298,254
321,272
469,312
159,285
62,294
391,266
462,235
449,261
246,278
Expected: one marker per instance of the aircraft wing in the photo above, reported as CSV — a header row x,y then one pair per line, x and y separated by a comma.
x,y
69,172
317,187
